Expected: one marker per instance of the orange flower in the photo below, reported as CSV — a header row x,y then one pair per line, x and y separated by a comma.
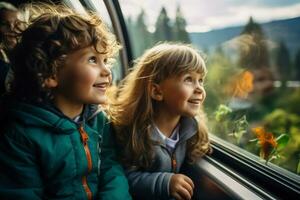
x,y
241,84
266,140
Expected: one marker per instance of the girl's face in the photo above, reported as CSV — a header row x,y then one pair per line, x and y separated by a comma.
x,y
182,95
83,78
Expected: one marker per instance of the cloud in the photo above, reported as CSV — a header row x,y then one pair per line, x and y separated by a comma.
x,y
214,14
240,15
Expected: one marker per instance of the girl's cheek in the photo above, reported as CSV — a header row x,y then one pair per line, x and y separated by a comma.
x,y
204,95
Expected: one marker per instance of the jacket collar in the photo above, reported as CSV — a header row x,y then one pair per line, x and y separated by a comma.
x,y
188,128
47,116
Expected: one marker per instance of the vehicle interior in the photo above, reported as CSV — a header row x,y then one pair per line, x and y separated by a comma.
x,y
250,97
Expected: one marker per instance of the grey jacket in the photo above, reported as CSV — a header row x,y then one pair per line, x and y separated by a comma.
x,y
154,183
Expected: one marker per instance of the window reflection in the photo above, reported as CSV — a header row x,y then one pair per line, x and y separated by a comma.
x,y
253,58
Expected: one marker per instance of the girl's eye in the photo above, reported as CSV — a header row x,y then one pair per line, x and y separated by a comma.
x,y
200,81
188,79
92,59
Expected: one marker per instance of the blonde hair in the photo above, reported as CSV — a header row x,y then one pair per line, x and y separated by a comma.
x,y
132,109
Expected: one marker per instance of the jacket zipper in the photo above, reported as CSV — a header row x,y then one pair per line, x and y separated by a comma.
x,y
173,162
84,139
173,159
172,156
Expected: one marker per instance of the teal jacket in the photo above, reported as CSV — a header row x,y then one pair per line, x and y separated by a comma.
x,y
45,155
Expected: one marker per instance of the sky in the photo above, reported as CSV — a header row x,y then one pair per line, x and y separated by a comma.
x,y
206,15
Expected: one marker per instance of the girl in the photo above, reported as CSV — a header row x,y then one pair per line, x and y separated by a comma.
x,y
158,121
55,142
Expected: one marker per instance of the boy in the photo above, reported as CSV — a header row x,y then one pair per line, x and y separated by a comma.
x,y
55,142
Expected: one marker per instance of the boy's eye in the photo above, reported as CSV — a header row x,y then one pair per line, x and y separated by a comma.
x,y
105,60
92,59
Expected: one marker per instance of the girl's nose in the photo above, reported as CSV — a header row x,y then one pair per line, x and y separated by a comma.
x,y
105,71
199,88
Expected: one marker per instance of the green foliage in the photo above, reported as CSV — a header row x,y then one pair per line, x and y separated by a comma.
x,y
223,122
240,127
282,141
280,121
269,146
284,120
222,113
289,100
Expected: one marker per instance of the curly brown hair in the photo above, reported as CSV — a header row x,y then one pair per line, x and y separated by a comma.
x,y
54,31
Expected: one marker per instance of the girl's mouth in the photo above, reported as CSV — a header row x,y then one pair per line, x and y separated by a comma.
x,y
195,101
101,86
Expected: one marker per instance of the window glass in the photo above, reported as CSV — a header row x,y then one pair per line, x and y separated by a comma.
x,y
100,8
75,5
252,51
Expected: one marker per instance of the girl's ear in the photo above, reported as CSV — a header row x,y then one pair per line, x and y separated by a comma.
x,y
51,82
156,92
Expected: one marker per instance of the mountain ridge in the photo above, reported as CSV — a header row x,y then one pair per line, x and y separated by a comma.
x,y
286,30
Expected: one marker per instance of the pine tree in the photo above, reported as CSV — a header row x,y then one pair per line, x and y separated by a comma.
x,y
253,50
142,37
163,29
283,64
130,29
180,33
297,65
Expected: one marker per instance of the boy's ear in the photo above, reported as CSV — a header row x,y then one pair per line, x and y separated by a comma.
x,y
51,82
156,92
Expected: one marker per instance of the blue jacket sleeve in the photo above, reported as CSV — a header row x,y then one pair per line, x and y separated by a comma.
x,y
19,173
113,182
149,185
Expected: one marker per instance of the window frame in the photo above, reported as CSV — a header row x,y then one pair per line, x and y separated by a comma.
x,y
238,166
119,26
245,167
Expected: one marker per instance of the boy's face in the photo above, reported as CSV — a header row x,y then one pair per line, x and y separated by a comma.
x,y
83,78
182,95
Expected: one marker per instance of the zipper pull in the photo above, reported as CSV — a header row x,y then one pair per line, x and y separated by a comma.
x,y
174,162
84,136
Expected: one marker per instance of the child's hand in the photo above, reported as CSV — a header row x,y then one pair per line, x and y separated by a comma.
x,y
181,187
